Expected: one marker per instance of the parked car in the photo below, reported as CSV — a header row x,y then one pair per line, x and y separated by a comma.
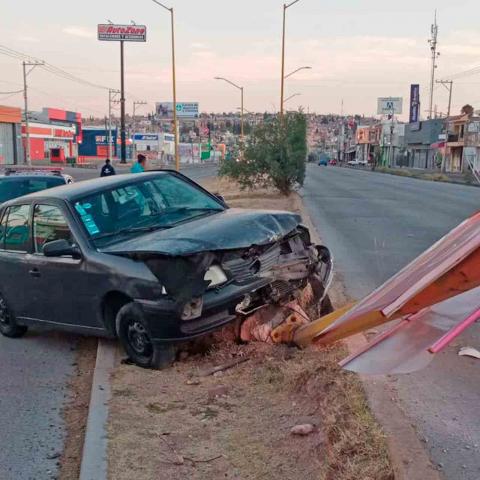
x,y
332,162
323,162
18,181
153,259
357,162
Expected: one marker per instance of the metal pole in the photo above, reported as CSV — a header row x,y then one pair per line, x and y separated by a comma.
x,y
177,156
282,82
28,160
450,97
241,115
123,146
433,48
110,124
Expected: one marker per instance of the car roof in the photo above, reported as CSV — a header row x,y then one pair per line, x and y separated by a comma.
x,y
86,187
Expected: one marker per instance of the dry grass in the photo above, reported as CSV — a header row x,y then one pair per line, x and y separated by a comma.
x,y
168,427
175,424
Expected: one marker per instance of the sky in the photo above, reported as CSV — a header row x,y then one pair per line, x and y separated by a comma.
x,y
358,51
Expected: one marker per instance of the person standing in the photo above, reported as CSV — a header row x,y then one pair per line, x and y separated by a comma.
x,y
139,165
107,169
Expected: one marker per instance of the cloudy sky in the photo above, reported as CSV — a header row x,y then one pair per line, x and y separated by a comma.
x,y
358,51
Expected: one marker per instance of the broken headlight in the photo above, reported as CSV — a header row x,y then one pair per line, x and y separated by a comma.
x,y
215,275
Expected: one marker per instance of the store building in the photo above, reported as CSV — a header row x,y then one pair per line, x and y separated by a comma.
x,y
11,151
95,143
54,135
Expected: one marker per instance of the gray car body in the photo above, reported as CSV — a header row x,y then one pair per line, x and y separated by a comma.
x,y
74,294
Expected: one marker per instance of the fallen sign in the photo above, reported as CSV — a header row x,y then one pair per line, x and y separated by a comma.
x,y
433,299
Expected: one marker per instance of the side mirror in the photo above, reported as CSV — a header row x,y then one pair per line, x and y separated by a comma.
x,y
220,197
59,248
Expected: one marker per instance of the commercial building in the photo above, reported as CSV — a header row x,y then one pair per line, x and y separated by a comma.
x,y
95,143
423,145
54,135
11,151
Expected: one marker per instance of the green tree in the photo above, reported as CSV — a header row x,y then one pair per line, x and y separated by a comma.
x,y
275,156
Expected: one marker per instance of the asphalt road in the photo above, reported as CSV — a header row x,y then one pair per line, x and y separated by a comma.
x,y
375,224
34,378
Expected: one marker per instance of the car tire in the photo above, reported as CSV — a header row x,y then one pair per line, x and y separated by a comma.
x,y
8,325
134,335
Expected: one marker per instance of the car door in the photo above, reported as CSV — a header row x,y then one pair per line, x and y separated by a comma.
x,y
60,286
14,245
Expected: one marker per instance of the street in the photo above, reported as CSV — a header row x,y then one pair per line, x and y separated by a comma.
x,y
375,224
34,377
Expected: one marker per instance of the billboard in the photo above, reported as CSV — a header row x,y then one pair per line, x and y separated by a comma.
x,y
414,103
389,105
164,110
128,33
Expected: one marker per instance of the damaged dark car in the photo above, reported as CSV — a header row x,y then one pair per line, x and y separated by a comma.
x,y
153,259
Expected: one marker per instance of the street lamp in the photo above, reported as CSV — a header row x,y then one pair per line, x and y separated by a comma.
x,y
291,96
285,6
175,132
297,70
241,98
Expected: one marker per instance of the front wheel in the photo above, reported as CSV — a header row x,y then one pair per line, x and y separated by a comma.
x,y
135,338
8,325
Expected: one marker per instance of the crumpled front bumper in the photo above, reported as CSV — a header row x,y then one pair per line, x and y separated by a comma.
x,y
219,308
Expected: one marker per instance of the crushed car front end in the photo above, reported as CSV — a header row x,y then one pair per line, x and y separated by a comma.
x,y
205,290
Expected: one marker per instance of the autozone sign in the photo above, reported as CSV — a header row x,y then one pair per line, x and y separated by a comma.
x,y
127,33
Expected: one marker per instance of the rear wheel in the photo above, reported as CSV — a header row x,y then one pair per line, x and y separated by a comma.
x,y
8,325
135,338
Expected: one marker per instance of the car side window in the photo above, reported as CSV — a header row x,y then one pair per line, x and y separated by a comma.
x,y
49,224
17,231
3,227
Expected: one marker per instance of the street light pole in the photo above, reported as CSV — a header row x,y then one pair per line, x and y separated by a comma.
x,y
297,70
291,96
241,102
282,82
174,81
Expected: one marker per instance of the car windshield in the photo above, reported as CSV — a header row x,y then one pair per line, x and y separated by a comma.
x,y
143,205
13,187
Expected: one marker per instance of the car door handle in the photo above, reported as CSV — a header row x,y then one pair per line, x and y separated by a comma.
x,y
34,272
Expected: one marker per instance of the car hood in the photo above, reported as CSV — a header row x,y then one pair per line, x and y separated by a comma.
x,y
231,229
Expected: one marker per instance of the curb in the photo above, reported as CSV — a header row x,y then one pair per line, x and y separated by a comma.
x,y
409,458
94,457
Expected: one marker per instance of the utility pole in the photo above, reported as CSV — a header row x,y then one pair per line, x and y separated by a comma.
x,y
433,48
135,103
28,159
112,98
449,88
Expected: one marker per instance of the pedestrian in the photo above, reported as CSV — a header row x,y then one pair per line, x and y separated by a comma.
x,y
139,165
107,169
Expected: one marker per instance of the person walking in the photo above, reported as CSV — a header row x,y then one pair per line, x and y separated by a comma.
x,y
139,165
107,169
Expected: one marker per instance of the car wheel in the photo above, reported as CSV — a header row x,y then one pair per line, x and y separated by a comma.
x,y
135,338
8,325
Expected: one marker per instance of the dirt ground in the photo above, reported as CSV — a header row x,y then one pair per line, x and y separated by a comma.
x,y
180,423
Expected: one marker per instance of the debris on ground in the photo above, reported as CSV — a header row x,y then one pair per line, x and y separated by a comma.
x,y
469,352
305,429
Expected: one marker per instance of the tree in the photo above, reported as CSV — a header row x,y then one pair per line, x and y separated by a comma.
x,y
275,156
467,110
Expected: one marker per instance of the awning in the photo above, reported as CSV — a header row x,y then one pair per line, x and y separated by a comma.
x,y
438,145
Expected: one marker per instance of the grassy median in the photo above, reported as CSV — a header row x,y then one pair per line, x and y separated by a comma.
x,y
183,424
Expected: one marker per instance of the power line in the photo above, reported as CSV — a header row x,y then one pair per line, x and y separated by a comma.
x,y
49,67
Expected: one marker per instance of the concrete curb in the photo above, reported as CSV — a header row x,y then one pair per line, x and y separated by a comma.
x,y
409,458
94,457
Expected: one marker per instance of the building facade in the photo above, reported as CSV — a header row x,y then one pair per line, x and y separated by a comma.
x,y
423,149
11,151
